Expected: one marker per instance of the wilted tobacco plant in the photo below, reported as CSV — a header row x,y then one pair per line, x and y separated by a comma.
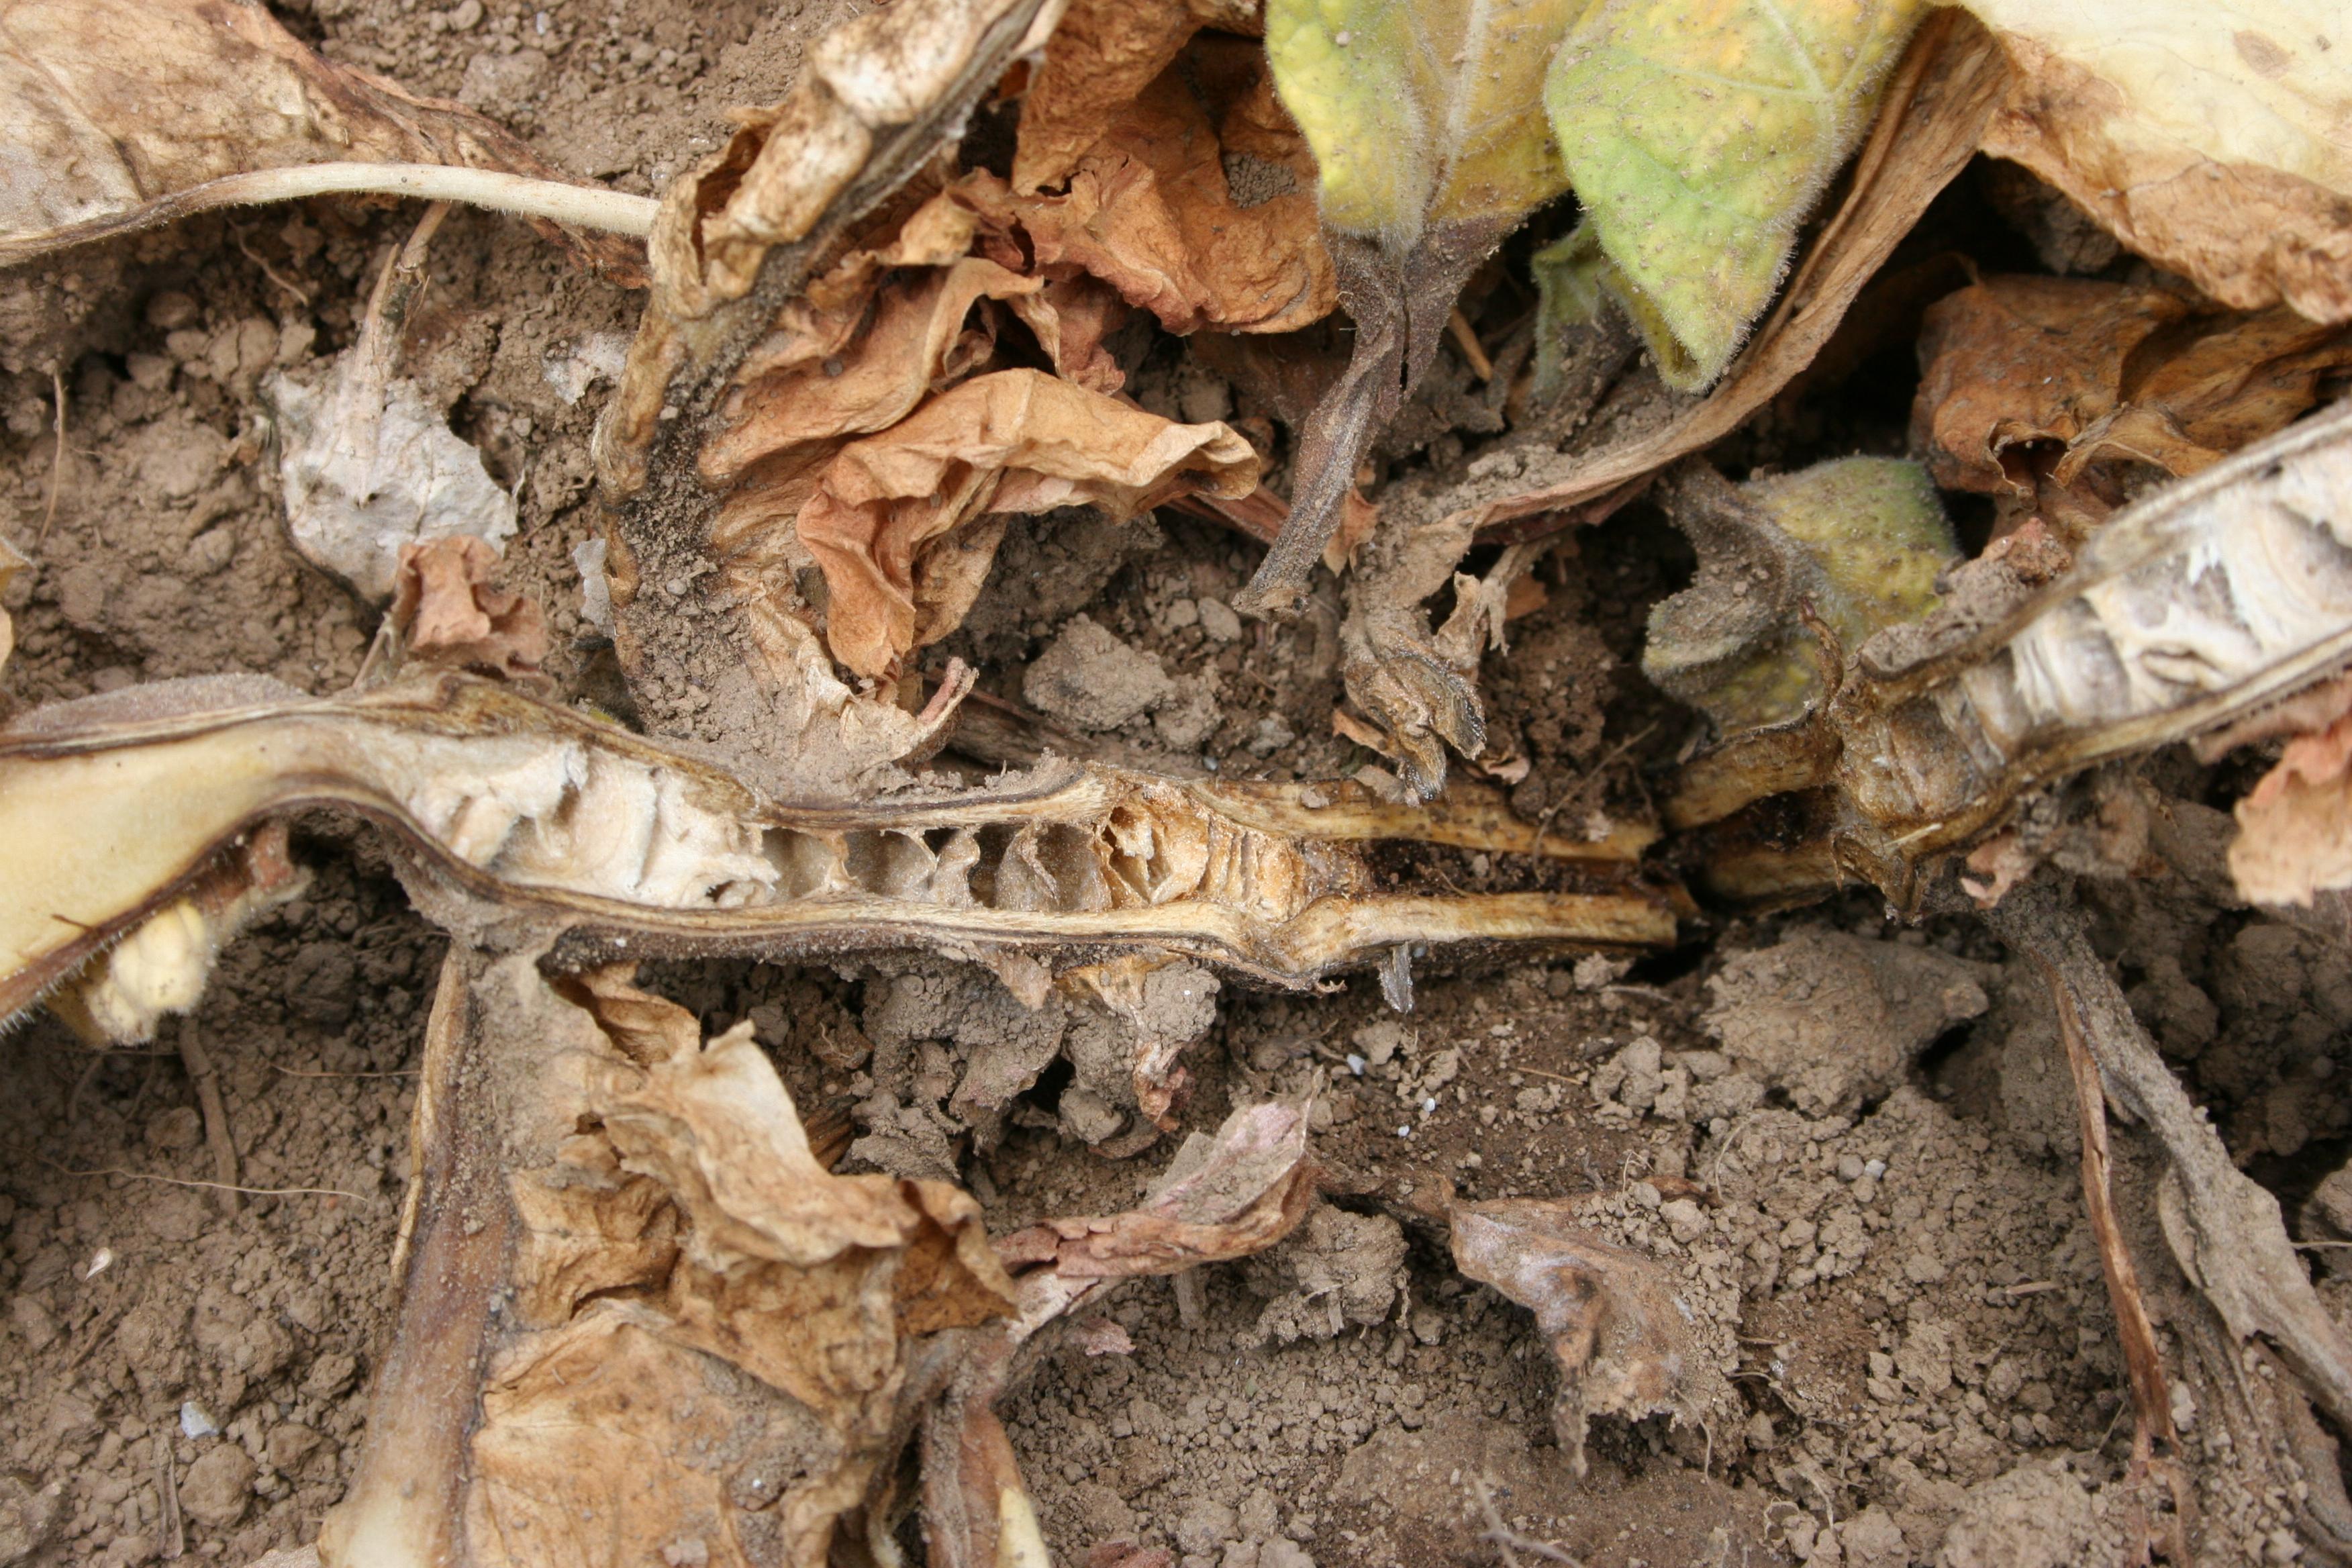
x,y
625,1251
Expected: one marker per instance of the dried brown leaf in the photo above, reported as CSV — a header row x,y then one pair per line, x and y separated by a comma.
x,y
885,513
2207,135
117,114
2294,829
1223,1197
684,1328
1101,57
445,608
2031,381
1149,205
1226,1194
1621,1338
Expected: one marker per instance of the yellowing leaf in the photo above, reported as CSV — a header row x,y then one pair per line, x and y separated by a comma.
x,y
1430,148
2209,135
1697,134
1420,112
1859,539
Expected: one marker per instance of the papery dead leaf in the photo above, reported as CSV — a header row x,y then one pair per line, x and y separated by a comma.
x,y
1015,441
2295,828
368,466
705,1336
1224,1195
1221,1197
448,612
740,235
2092,373
1149,207
1622,1339
115,114
2207,135
1101,57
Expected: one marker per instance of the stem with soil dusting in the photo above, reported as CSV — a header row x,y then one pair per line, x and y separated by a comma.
x,y
402,1511
2225,1230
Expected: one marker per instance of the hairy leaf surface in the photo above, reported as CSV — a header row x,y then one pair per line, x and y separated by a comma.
x,y
1697,136
1423,117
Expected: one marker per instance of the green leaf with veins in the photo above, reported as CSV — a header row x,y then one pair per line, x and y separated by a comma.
x,y
1425,118
1698,133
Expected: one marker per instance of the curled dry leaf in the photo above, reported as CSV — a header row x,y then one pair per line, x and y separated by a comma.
x,y
2207,135
740,236
1223,1197
1102,55
1015,441
656,1316
1145,217
2030,382
1226,1194
804,368
1697,138
1623,1340
117,114
1149,205
447,612
2295,828
367,464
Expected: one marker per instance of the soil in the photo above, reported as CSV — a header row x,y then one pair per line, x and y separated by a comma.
x,y
1853,1142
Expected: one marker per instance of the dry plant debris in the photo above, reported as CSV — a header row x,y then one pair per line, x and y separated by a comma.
x,y
888,700
122,115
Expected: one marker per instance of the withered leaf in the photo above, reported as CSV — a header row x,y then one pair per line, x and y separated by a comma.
x,y
118,113
367,463
1223,1197
2030,381
1102,55
1226,1194
2207,135
1151,208
1623,1340
886,507
710,1334
449,614
2295,828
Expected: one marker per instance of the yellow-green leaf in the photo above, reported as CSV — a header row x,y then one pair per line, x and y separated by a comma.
x,y
1420,111
1697,134
1429,144
1859,539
